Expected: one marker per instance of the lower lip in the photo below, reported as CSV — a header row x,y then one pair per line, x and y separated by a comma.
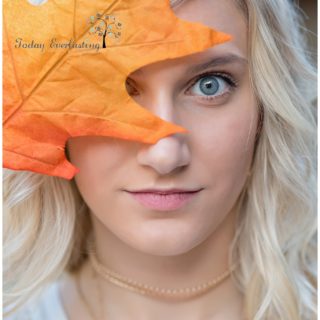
x,y
163,202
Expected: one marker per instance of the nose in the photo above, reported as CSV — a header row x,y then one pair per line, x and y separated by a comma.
x,y
169,153
166,156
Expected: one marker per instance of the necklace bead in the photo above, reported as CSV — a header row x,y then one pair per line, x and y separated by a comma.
x,y
144,289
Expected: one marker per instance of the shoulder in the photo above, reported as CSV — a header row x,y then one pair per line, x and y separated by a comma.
x,y
47,306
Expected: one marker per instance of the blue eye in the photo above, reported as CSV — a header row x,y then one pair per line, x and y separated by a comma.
x,y
209,85
212,86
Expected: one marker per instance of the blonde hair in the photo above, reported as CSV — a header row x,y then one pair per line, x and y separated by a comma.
x,y
46,221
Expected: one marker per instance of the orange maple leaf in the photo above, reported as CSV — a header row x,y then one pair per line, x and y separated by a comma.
x,y
53,91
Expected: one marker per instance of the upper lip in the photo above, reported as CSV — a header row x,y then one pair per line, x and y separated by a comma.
x,y
165,191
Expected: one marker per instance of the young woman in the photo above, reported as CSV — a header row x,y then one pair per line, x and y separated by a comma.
x,y
216,223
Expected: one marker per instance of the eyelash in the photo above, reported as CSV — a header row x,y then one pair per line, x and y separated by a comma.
x,y
229,80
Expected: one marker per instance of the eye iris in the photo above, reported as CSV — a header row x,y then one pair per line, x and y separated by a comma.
x,y
209,85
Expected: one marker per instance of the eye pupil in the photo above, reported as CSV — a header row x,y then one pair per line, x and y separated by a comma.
x,y
209,85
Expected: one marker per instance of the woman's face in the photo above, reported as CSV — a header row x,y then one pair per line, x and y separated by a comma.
x,y
190,181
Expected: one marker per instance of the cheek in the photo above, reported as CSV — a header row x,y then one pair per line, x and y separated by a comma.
x,y
224,146
100,161
229,142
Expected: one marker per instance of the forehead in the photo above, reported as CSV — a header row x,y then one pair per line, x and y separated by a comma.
x,y
222,15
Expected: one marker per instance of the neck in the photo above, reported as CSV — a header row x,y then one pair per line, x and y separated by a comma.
x,y
199,265
223,302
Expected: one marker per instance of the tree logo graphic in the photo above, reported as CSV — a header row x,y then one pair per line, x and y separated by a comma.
x,y
105,25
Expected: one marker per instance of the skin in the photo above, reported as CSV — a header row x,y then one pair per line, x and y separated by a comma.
x,y
188,246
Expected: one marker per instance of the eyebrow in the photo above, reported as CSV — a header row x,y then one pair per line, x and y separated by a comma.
x,y
217,61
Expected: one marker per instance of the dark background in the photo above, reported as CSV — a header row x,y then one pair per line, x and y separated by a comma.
x,y
310,9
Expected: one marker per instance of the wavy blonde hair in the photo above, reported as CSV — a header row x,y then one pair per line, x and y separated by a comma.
x,y
46,222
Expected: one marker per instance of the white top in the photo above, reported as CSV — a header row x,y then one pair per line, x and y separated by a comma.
x,y
47,307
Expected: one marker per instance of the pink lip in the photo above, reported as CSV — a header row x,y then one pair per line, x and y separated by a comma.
x,y
161,200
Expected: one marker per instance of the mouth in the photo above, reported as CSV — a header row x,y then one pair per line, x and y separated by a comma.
x,y
164,200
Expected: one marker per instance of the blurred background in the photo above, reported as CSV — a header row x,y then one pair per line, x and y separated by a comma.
x,y
310,12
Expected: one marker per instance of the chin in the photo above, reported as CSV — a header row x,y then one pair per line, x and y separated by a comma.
x,y
163,238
